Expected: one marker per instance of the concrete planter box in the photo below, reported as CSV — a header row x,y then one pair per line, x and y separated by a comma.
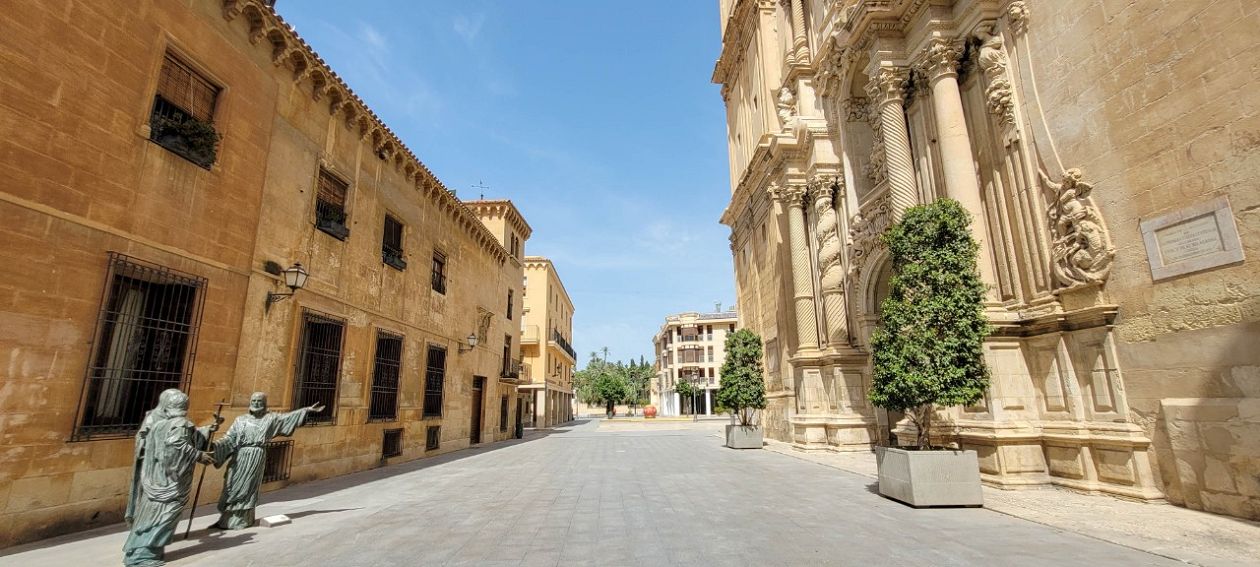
x,y
743,437
929,478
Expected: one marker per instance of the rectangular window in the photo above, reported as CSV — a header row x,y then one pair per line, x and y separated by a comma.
x,y
434,381
503,413
384,404
278,460
146,339
391,443
439,272
432,437
392,243
509,305
183,112
507,356
319,365
330,205
710,354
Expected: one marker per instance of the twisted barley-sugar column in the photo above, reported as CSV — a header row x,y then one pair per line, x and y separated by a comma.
x,y
800,43
802,280
832,279
886,88
940,64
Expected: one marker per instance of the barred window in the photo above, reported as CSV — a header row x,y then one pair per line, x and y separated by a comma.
x,y
507,355
181,89
319,365
391,443
384,404
330,205
439,272
146,337
432,437
503,413
279,458
392,243
434,381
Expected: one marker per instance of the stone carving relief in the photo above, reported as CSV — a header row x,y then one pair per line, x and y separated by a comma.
x,y
998,96
865,230
787,106
857,109
1017,15
1081,252
940,58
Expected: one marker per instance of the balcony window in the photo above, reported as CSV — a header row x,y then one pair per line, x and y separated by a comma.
x,y
330,205
439,272
183,111
391,244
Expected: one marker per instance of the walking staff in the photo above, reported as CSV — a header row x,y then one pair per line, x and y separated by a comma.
x,y
192,511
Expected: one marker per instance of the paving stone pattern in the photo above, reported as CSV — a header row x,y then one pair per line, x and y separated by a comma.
x,y
581,496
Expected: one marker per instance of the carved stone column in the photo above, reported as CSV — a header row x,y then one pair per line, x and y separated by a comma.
x,y
800,43
940,65
886,88
832,274
802,279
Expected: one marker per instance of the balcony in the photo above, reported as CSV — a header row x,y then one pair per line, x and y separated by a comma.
x,y
529,335
564,345
511,370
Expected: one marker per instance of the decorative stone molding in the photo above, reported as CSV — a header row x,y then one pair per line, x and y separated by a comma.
x,y
793,195
888,85
998,95
1081,253
939,59
787,106
865,230
1017,15
823,188
857,109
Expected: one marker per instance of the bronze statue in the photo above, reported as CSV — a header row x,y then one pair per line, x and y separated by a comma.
x,y
168,448
243,445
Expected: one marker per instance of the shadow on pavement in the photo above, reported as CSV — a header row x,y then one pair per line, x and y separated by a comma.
x,y
208,540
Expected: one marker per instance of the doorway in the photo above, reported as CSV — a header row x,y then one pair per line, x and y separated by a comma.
x,y
478,394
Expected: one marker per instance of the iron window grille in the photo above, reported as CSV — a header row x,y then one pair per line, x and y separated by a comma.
x,y
391,244
432,437
507,356
503,413
385,371
183,112
439,272
319,365
279,460
391,443
145,342
434,381
330,205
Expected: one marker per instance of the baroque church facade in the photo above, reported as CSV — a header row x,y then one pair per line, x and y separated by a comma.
x,y
1107,152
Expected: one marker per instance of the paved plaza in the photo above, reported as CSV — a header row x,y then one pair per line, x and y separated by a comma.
x,y
585,495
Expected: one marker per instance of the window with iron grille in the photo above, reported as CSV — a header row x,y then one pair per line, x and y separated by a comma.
x,y
509,305
384,404
432,437
439,272
503,413
183,112
391,244
330,205
318,365
507,355
391,443
278,461
146,340
434,381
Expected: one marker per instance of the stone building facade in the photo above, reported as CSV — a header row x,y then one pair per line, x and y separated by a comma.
x,y
690,347
548,358
1108,154
138,260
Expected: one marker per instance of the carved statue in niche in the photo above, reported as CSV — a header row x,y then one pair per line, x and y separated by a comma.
x,y
998,96
787,106
1081,251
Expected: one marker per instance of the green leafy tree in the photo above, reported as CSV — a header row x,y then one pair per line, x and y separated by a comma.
x,y
929,347
639,377
743,389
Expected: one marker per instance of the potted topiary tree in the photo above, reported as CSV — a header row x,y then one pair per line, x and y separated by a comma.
x,y
743,390
928,351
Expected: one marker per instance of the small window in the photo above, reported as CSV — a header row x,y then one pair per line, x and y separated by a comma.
x,y
391,443
439,272
507,357
385,371
434,381
319,365
433,438
710,354
503,413
391,244
509,304
330,205
279,458
183,113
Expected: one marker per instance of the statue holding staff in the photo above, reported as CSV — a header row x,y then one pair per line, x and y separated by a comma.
x,y
243,445
168,447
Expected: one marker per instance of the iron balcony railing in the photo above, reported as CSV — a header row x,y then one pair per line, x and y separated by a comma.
x,y
511,369
564,344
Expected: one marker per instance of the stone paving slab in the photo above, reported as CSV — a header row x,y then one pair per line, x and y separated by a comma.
x,y
582,496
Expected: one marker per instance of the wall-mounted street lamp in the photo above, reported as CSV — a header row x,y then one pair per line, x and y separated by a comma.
x,y
294,277
472,343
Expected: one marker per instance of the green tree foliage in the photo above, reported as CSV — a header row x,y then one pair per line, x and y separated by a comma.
x,y
743,389
929,347
639,377
685,388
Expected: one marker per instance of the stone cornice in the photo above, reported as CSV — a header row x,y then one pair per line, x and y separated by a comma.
x,y
288,50
738,31
502,208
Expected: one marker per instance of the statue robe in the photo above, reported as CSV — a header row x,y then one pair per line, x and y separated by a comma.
x,y
243,443
169,447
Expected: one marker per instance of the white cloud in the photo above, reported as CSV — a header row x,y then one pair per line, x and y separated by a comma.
x,y
468,28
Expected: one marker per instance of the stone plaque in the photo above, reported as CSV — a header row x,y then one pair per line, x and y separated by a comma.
x,y
1193,239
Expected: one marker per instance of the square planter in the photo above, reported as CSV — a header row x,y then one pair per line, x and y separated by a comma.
x,y
743,437
929,478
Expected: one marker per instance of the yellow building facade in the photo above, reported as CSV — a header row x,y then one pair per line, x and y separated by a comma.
x,y
153,261
1105,151
690,347
548,358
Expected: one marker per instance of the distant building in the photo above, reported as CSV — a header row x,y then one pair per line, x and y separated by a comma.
x,y
547,346
689,347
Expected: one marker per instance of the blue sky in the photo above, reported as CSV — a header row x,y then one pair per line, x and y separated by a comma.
x,y
597,118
